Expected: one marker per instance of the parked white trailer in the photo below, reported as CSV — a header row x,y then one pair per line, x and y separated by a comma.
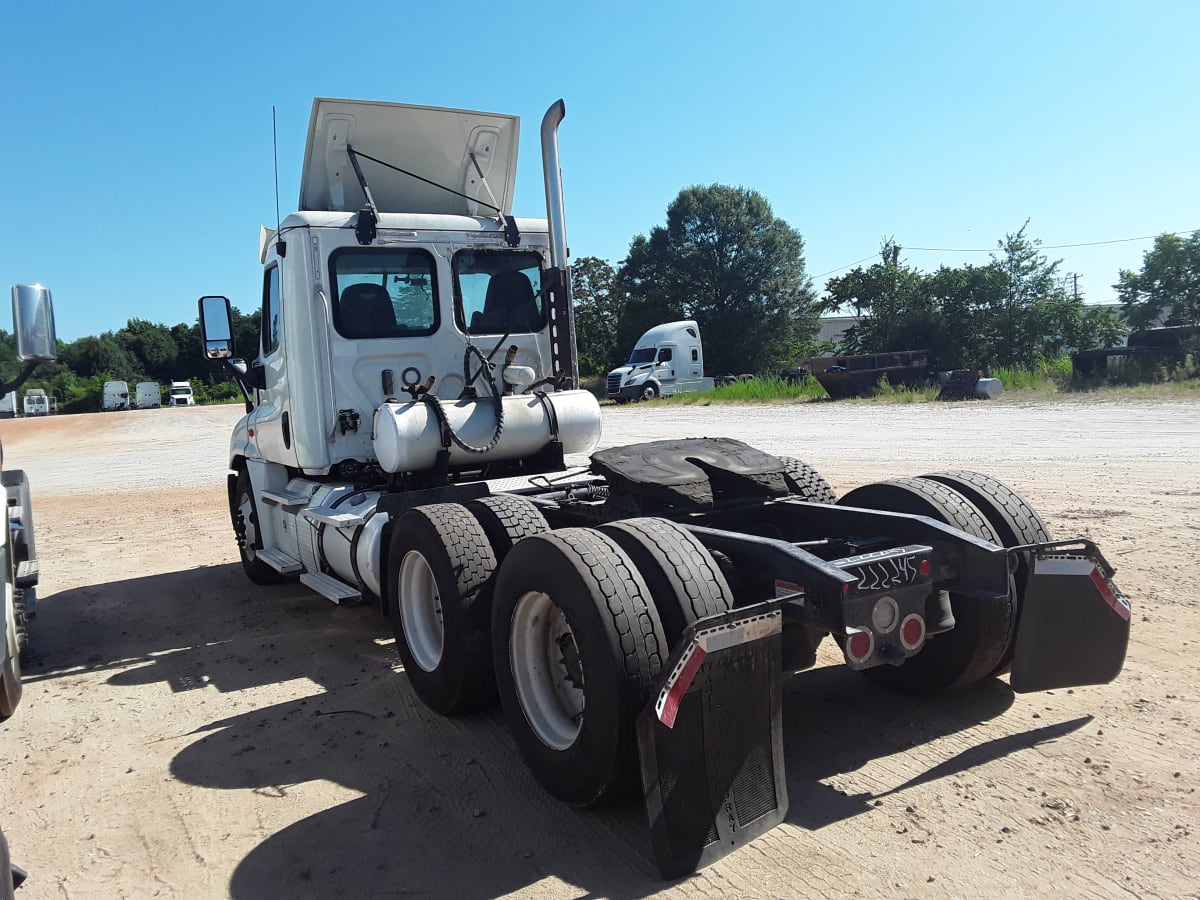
x,y
36,402
668,359
115,396
181,394
147,395
9,406
417,344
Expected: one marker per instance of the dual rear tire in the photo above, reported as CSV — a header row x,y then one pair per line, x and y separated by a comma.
x,y
569,627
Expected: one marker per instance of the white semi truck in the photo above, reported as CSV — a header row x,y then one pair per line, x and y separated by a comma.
x,y
181,394
668,359
410,409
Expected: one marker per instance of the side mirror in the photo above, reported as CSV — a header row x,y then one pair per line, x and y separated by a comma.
x,y
33,321
216,327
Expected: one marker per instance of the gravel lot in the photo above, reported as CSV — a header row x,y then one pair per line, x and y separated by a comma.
x,y
185,733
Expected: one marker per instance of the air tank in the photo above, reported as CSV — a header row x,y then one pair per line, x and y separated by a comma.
x,y
407,436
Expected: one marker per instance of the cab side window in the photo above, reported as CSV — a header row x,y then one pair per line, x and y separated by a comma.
x,y
270,311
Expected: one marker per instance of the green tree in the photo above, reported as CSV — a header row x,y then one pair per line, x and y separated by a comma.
x,y
724,259
152,345
890,299
1028,314
598,306
1167,289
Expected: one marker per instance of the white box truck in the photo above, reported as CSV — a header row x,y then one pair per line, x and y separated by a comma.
x,y
412,401
115,396
8,405
147,395
668,359
181,394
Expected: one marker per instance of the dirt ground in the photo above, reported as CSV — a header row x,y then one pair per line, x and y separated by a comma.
x,y
185,733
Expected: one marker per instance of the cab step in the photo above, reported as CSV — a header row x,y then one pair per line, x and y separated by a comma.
x,y
283,497
279,561
329,587
329,515
27,573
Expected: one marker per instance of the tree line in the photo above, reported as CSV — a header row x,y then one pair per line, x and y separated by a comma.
x,y
724,259
141,351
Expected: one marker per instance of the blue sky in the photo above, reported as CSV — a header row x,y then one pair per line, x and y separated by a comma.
x,y
136,162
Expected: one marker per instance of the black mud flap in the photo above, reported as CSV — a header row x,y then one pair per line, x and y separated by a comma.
x,y
1074,626
711,740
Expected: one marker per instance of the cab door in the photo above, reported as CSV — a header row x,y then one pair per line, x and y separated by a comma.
x,y
665,362
273,425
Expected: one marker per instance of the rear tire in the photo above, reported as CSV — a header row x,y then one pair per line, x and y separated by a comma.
x,y
983,629
507,519
440,564
1012,518
577,642
249,539
806,482
683,578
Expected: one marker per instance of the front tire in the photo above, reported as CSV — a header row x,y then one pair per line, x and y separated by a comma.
x,y
649,392
249,538
440,565
577,643
10,671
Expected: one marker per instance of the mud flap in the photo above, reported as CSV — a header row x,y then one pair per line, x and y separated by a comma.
x,y
1074,627
711,740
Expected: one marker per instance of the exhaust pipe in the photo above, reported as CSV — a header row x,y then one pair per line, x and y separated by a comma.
x,y
564,356
552,173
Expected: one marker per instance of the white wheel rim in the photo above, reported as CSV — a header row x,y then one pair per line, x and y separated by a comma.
x,y
421,611
249,532
549,687
10,637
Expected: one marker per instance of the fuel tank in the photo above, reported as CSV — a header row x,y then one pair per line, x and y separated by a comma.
x,y
407,436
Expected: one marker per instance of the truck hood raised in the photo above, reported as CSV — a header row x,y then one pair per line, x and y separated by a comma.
x,y
449,147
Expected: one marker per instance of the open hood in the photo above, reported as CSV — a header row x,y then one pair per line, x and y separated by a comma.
x,y
435,143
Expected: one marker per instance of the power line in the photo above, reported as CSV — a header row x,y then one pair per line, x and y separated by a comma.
x,y
1147,237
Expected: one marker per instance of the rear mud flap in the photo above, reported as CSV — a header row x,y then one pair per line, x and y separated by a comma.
x,y
711,740
1074,626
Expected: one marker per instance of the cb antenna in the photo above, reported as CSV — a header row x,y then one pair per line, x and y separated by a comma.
x,y
275,149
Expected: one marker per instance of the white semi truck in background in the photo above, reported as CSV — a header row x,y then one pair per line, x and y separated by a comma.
x,y
181,394
411,407
33,322
668,359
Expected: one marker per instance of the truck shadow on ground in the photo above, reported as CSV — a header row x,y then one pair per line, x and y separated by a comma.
x,y
447,806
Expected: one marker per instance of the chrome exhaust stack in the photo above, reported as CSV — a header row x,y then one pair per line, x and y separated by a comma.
x,y
561,312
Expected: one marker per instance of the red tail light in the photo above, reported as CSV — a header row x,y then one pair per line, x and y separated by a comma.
x,y
912,631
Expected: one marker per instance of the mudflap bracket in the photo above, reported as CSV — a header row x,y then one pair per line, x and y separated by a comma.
x,y
710,741
1074,621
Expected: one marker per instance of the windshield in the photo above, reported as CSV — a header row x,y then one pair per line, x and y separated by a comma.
x,y
640,356
498,292
383,293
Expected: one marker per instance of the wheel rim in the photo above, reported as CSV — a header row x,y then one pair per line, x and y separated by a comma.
x,y
421,611
10,637
249,530
547,671
649,393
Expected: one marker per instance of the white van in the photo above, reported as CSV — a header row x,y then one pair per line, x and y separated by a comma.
x,y
147,395
36,402
8,405
668,359
115,396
